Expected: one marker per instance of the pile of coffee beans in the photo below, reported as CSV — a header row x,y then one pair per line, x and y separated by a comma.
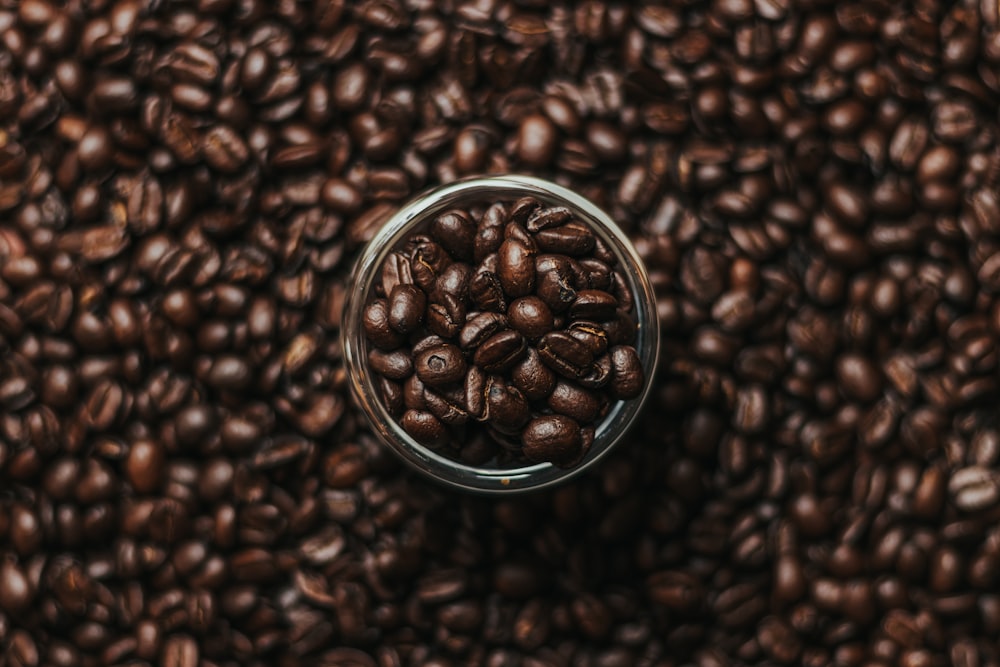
x,y
513,316
812,184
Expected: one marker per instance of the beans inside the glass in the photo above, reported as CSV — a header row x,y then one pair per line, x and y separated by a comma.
x,y
501,329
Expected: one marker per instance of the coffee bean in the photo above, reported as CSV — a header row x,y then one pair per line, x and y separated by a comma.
x,y
507,409
565,355
553,438
479,328
440,365
396,365
530,316
573,238
377,327
487,291
407,304
425,428
974,488
500,351
456,233
516,268
145,465
574,402
627,375
593,304
536,140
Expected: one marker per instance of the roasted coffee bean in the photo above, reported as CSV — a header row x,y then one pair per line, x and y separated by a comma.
x,y
507,409
555,438
544,218
487,291
479,328
531,317
516,268
556,289
446,318
425,428
565,354
448,407
377,327
627,379
407,305
440,365
532,377
593,305
500,351
456,233
590,334
579,404
454,282
396,365
396,270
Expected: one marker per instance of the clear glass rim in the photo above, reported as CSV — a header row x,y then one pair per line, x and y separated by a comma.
x,y
361,381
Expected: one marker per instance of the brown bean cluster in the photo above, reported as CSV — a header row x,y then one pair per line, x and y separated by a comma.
x,y
504,334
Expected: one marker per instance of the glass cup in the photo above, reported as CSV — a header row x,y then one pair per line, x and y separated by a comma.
x,y
414,216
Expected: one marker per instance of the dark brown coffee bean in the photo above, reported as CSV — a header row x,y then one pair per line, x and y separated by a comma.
x,y
487,292
144,465
574,239
530,316
440,365
553,438
516,268
532,377
180,651
565,355
573,401
16,591
627,375
445,318
593,304
377,328
507,409
449,407
974,488
536,140
407,305
453,281
425,428
396,365
456,233
556,289
500,352
479,328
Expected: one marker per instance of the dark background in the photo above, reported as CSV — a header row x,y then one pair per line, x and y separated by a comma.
x,y
813,186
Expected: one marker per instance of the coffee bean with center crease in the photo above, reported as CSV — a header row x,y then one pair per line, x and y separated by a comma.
x,y
479,328
565,354
500,351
